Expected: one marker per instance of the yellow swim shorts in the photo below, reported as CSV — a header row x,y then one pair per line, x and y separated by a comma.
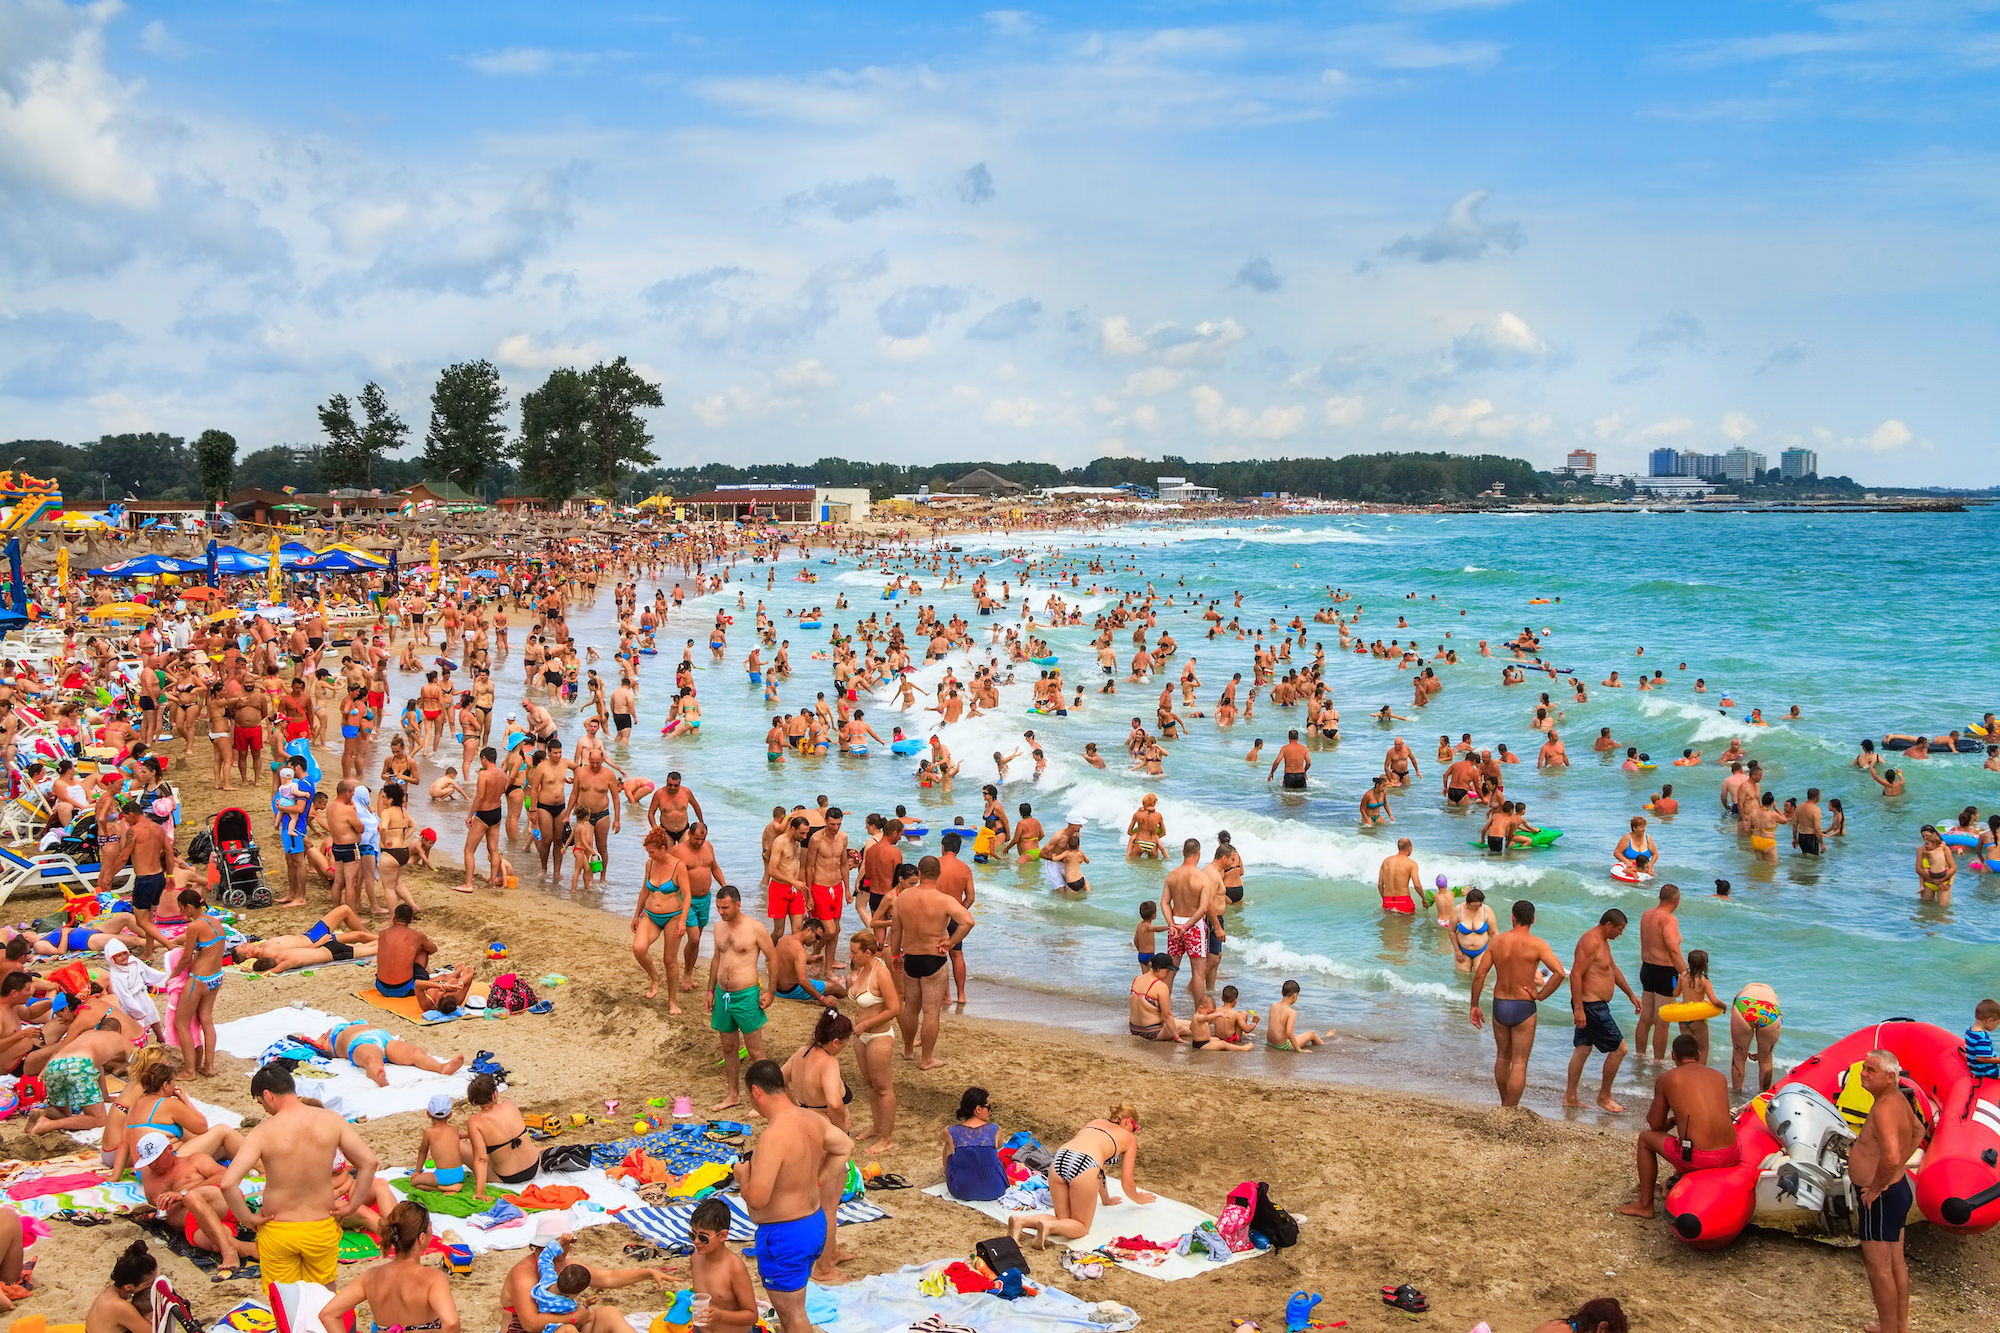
x,y
299,1251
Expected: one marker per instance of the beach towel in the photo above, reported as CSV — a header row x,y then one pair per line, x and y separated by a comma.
x,y
461,1204
348,1090
604,1197
407,1007
1163,1221
668,1226
894,1301
682,1147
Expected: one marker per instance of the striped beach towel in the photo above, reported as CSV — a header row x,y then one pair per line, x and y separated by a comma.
x,y
667,1227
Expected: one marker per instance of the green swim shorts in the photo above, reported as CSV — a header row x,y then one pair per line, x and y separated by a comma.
x,y
737,1011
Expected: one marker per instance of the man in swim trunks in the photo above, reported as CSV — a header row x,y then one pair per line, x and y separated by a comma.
x,y
827,871
1878,1165
670,806
482,825
1189,897
594,796
1297,763
1513,960
791,966
1661,967
1694,1100
785,875
697,854
955,880
1808,832
1398,880
146,847
1593,975
737,995
298,1236
402,956
291,804
927,923
799,1156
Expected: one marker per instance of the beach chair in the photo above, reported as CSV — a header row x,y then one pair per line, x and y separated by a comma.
x,y
26,817
25,869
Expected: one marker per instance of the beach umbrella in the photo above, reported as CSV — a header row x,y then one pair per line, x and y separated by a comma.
x,y
486,573
333,561
198,593
120,611
235,560
145,566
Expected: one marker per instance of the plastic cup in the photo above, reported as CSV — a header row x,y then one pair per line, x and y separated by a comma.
x,y
698,1308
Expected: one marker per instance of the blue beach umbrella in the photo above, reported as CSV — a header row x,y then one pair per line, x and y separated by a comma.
x,y
150,565
335,562
236,560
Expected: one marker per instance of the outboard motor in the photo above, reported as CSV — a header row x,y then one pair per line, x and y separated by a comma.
x,y
1816,1138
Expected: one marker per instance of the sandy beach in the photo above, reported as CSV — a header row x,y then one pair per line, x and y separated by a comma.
x,y
1498,1215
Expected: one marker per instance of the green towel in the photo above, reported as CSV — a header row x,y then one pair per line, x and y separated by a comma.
x,y
451,1205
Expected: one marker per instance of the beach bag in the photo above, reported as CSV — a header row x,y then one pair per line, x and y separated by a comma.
x,y
1234,1223
1000,1254
510,993
1273,1221
567,1157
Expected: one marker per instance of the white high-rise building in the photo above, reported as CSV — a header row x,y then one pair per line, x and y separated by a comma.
x,y
1794,464
1741,464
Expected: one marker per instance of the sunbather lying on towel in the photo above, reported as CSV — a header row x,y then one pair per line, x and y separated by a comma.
x,y
369,1049
266,956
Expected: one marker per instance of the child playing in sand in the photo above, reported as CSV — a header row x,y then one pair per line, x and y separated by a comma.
x,y
441,1145
1145,940
1283,1035
719,1274
1699,990
446,788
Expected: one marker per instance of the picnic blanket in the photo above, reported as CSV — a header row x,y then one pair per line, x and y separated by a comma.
x,y
356,1094
604,1195
1164,1220
217,1115
667,1226
682,1147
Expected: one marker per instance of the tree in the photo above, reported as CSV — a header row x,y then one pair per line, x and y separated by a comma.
x,y
340,460
618,440
215,463
137,465
581,432
466,439
382,431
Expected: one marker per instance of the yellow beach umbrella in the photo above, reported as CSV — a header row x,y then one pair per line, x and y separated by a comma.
x,y
120,611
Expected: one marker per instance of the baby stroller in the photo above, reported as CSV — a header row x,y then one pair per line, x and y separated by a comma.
x,y
235,868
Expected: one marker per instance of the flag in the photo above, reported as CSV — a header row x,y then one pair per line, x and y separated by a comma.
x,y
291,490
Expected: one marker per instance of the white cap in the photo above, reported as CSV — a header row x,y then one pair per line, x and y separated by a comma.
x,y
287,775
439,1105
150,1148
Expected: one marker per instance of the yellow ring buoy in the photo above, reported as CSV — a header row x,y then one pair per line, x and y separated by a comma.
x,y
1688,1011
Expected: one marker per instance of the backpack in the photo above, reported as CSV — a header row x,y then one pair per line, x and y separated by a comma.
x,y
1234,1224
510,994
1273,1221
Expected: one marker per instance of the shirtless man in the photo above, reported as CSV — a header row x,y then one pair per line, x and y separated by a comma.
x,y
1513,960
1660,967
150,852
926,925
547,784
1694,1100
1190,895
955,880
1592,978
799,1157
1399,881
343,822
594,796
784,878
298,1236
1879,1164
1400,763
1296,762
624,709
697,854
670,806
738,994
827,870
1808,825
482,824
1552,754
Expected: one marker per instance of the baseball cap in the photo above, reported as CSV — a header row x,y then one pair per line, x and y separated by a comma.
x,y
150,1148
439,1104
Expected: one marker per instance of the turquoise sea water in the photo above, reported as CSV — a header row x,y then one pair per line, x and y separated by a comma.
x,y
1869,623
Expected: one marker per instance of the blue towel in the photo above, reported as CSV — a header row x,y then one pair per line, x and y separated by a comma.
x,y
667,1227
499,1215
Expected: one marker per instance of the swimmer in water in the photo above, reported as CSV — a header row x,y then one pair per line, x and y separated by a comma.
x,y
1637,851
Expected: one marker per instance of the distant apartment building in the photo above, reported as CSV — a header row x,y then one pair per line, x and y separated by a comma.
x,y
1581,461
1741,464
1797,464
1685,463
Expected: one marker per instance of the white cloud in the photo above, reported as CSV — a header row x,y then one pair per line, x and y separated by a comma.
x,y
1667,429
1273,423
1152,381
1011,22
1005,371
61,111
806,374
1504,342
962,395
1891,434
1462,235
1028,413
1145,416
870,408
1607,426
1341,412
519,351
528,60
155,40
1118,338
784,390
847,201
1737,425
903,349
1477,419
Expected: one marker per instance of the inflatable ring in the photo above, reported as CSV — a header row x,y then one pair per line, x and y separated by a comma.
x,y
1689,1011
908,745
1045,661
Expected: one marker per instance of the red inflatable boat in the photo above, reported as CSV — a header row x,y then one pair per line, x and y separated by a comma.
x,y
1794,1140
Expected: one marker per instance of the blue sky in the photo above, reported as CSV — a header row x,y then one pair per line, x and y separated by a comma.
x,y
935,231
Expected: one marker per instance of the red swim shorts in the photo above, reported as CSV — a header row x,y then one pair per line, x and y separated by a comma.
x,y
1399,905
826,902
786,900
248,740
1702,1158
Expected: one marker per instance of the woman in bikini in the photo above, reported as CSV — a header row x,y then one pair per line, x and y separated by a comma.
x,y
401,1293
500,1147
371,1049
876,1006
395,831
812,1078
1077,1178
1472,930
1375,805
154,1103
658,916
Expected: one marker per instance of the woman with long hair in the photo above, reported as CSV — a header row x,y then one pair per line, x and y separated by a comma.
x,y
1078,1178
400,1293
876,1004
